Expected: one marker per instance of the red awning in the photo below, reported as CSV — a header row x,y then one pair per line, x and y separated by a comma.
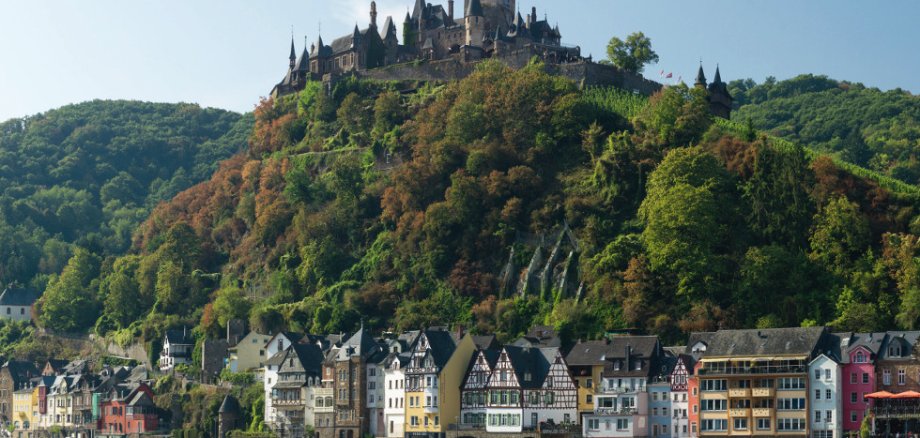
x,y
906,394
879,395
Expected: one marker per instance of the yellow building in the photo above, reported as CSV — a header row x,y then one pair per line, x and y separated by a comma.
x,y
755,382
433,378
586,365
249,354
25,405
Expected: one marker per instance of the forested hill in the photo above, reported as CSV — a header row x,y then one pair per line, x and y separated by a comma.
x,y
86,175
865,126
408,209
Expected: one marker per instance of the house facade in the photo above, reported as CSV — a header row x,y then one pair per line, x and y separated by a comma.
x,y
248,355
825,390
436,369
16,303
395,394
177,349
680,400
859,351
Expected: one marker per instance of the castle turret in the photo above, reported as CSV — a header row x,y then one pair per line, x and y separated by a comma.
x,y
293,57
700,78
720,100
373,14
475,24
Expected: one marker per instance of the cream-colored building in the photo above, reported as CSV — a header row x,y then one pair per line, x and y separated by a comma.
x,y
755,382
434,375
24,406
248,356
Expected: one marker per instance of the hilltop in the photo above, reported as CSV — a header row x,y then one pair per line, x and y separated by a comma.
x,y
509,198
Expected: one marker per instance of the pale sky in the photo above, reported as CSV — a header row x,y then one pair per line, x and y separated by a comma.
x,y
228,53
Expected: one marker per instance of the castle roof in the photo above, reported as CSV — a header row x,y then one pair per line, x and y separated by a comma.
x,y
303,64
474,9
701,77
293,51
388,28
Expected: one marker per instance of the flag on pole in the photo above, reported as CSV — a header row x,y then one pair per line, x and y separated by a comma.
x,y
670,75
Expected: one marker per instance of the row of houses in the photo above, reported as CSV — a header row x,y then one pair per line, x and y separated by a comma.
x,y
66,397
436,383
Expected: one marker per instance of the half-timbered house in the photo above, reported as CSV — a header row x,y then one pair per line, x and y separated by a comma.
x,y
474,393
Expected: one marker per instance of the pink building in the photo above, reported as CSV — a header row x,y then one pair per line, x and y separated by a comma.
x,y
858,375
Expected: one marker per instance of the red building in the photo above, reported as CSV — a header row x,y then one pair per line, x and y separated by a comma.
x,y
127,409
693,386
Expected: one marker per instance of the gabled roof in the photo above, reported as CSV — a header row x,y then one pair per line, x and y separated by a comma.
x,y
180,337
539,336
360,344
907,341
21,371
530,362
442,346
16,296
794,341
850,342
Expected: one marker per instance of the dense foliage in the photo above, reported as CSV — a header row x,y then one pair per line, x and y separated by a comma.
x,y
862,125
76,182
402,208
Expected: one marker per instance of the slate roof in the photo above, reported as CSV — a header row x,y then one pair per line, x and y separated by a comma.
x,y
360,344
850,341
907,339
474,9
16,296
230,405
311,357
442,346
181,337
524,361
486,342
21,371
794,341
539,336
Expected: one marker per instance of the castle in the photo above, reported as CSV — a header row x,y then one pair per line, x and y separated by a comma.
x,y
488,28
438,45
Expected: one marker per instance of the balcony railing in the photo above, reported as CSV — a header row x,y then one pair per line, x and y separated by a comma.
x,y
763,392
739,412
761,412
739,392
614,411
767,369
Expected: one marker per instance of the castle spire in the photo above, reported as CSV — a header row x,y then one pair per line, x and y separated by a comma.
x,y
293,57
373,14
700,77
718,78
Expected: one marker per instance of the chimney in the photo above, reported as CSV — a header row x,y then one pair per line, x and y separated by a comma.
x,y
450,9
459,326
373,14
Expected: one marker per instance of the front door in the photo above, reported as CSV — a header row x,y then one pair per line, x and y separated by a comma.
x,y
533,419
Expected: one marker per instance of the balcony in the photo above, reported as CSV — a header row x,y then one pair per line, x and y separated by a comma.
x,y
761,412
739,412
739,392
616,412
763,392
281,403
764,369
430,409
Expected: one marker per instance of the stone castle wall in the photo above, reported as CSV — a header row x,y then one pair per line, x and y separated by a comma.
x,y
583,73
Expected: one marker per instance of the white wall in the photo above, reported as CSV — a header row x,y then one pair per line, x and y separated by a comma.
x,y
828,380
16,313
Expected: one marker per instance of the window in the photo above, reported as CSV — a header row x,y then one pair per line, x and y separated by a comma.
x,y
589,383
790,424
713,405
817,416
829,416
713,385
589,399
714,425
886,377
741,424
790,404
817,394
594,424
852,397
827,394
854,416
763,424
852,377
865,378
817,374
623,424
902,377
792,383
860,357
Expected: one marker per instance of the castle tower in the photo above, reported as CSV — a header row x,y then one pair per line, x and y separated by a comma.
x,y
700,78
293,57
228,416
720,100
475,23
374,14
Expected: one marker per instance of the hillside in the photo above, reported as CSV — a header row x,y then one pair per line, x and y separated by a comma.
x,y
865,126
86,176
408,209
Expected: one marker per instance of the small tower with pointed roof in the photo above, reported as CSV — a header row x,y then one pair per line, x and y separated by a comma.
x,y
293,56
720,100
475,24
700,78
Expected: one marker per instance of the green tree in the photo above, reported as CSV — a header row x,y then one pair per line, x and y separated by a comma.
x,y
689,215
841,235
633,54
69,303
123,302
231,303
777,192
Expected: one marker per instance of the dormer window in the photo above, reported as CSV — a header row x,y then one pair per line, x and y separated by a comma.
x,y
860,357
638,365
527,377
894,351
616,365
